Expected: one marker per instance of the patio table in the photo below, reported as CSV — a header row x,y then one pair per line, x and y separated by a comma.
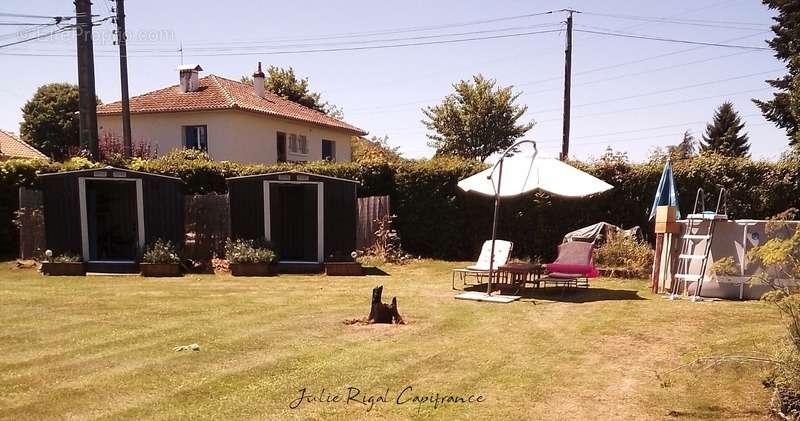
x,y
521,273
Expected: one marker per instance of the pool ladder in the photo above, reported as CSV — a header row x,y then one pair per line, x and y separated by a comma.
x,y
691,238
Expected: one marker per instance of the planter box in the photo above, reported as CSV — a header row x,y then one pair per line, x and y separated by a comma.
x,y
160,269
250,269
343,269
64,269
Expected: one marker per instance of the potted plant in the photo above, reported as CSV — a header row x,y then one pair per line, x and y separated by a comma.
x,y
160,259
65,264
338,264
245,258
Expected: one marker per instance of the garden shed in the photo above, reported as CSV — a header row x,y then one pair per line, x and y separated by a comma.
x,y
108,215
307,218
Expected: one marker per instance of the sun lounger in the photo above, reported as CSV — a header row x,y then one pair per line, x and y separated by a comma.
x,y
573,267
502,251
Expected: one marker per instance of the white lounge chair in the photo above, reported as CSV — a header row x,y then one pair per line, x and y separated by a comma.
x,y
502,251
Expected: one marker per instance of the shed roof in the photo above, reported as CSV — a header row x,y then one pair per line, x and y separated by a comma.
x,y
293,172
92,170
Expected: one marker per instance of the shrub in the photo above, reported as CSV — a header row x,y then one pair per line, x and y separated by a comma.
x,y
245,251
725,266
65,258
387,248
622,252
160,252
781,255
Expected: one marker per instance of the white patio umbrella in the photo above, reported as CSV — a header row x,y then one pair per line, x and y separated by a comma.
x,y
519,174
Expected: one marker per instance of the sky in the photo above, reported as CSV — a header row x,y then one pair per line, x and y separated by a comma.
x,y
630,94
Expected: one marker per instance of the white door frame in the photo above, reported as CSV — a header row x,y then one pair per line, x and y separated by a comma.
x,y
85,216
320,216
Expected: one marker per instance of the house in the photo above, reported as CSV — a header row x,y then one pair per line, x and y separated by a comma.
x,y
12,147
231,121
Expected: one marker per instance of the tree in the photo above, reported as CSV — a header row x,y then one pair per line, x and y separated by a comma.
x,y
685,149
374,149
50,119
723,136
477,120
784,107
284,83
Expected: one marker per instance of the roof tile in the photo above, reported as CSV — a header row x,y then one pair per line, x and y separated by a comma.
x,y
218,93
11,146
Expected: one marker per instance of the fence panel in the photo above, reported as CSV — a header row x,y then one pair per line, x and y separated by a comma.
x,y
207,226
370,209
30,221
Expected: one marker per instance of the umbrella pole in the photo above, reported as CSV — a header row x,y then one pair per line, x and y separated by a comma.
x,y
494,224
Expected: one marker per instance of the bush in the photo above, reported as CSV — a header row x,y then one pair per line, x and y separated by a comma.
x,y
436,219
725,266
160,252
781,254
245,251
65,258
627,253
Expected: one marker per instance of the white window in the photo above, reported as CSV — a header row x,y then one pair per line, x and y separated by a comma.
x,y
195,137
303,144
292,143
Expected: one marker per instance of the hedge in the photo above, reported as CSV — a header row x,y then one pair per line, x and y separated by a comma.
x,y
436,219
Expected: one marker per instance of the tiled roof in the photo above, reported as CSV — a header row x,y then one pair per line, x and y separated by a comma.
x,y
12,147
218,93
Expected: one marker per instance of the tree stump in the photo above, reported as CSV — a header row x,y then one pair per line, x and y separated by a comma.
x,y
383,313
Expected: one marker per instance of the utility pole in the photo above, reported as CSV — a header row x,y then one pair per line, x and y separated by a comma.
x,y
123,75
87,96
567,86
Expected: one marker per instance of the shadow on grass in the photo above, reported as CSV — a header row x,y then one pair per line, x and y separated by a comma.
x,y
567,295
373,271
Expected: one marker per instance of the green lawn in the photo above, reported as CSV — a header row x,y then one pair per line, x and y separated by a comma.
x,y
101,348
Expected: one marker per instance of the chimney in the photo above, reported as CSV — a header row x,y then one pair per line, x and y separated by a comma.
x,y
189,77
258,82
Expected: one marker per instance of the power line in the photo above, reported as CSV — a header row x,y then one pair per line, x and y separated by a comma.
x,y
22,24
358,42
324,50
664,104
18,15
383,109
391,31
646,129
674,20
38,36
662,91
681,41
637,61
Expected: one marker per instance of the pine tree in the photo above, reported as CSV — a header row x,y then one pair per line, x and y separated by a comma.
x,y
723,136
683,150
784,107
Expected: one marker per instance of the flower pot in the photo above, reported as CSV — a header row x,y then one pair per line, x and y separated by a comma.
x,y
160,269
64,269
250,269
343,269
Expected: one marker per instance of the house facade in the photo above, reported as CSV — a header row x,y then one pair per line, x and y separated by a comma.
x,y
231,121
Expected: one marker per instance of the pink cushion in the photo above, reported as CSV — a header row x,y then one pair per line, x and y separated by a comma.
x,y
588,271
